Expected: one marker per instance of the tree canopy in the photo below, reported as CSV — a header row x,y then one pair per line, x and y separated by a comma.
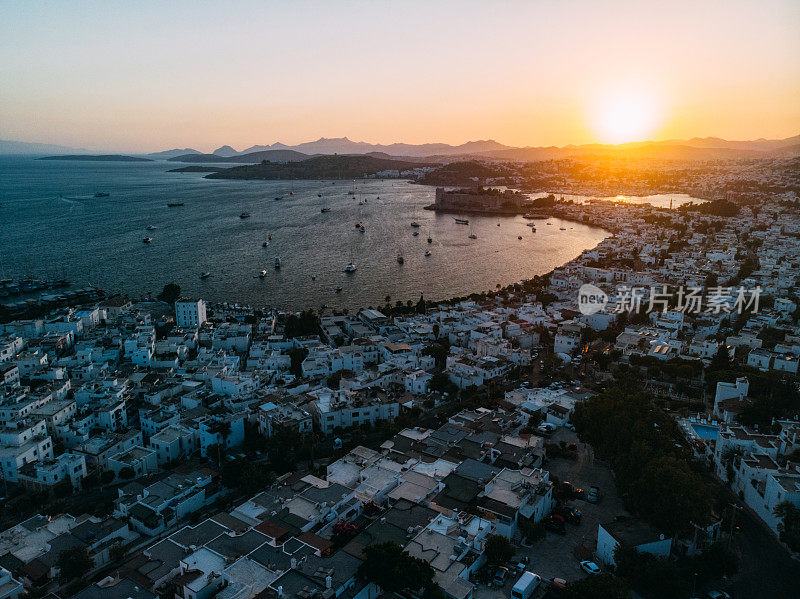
x,y
392,569
498,549
170,293
74,562
653,471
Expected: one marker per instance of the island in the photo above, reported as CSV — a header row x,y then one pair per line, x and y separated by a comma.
x,y
97,158
325,167
197,169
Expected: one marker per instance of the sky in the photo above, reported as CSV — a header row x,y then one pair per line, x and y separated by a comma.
x,y
144,76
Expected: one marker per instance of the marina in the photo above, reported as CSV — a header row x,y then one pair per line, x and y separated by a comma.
x,y
195,227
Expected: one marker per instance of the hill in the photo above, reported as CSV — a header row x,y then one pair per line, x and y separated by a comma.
x,y
97,158
318,167
251,158
458,174
8,146
167,154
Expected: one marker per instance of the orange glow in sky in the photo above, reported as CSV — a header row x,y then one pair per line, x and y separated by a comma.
x,y
144,76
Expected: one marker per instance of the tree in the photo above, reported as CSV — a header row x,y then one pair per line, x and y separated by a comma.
x,y
107,477
498,549
127,473
297,355
74,562
439,352
421,305
394,570
170,293
790,526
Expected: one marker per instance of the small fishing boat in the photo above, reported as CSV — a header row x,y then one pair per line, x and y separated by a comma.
x,y
350,268
427,252
313,277
473,236
415,233
244,215
324,210
414,224
339,289
430,240
462,221
174,204
519,236
147,239
263,273
151,227
277,263
101,194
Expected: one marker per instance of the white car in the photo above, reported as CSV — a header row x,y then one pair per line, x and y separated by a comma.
x,y
591,568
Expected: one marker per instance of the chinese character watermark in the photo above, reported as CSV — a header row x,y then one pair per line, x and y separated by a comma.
x,y
689,300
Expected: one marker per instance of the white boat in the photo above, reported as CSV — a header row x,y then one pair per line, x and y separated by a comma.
x,y
350,268
205,275
313,277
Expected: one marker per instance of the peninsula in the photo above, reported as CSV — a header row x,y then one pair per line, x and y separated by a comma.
x,y
97,158
326,167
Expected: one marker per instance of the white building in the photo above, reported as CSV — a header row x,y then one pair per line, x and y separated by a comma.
x,y
190,313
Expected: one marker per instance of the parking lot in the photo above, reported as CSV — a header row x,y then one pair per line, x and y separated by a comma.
x,y
557,556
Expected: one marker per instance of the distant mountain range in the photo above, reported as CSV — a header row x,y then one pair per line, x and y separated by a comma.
x,y
707,148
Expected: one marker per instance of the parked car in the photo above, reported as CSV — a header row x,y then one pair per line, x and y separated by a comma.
x,y
569,513
591,568
500,575
717,595
594,495
555,523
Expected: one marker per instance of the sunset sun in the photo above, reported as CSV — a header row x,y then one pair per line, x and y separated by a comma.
x,y
623,116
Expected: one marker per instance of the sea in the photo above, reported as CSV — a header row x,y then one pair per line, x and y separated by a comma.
x,y
53,226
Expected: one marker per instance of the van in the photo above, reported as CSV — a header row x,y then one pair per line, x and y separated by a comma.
x,y
526,585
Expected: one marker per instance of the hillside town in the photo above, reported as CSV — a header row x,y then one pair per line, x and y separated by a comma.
x,y
174,448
